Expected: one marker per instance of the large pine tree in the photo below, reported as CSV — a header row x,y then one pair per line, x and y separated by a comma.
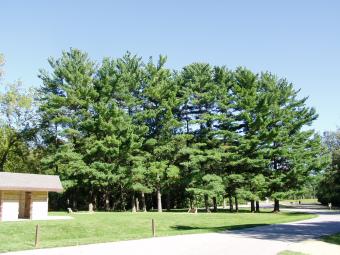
x,y
121,129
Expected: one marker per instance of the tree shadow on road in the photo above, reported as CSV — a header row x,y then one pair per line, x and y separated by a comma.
x,y
217,229
279,232
291,232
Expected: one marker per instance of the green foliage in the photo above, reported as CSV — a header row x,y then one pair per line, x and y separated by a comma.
x,y
17,129
288,252
328,190
210,184
117,130
334,239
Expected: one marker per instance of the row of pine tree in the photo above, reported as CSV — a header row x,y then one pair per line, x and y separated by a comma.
x,y
127,134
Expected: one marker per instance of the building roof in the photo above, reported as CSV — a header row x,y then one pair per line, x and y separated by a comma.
x,y
30,182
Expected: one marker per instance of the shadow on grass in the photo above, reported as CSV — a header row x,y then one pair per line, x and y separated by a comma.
x,y
304,206
220,210
333,239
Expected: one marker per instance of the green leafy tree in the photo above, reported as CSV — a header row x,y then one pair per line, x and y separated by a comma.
x,y
294,153
158,114
121,129
17,127
200,91
328,189
249,141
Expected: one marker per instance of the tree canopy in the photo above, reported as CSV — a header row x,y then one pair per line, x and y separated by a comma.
x,y
124,131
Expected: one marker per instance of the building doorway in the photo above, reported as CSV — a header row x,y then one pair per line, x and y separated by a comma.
x,y
28,205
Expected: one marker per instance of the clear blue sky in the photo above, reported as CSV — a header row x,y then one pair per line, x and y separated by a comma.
x,y
299,40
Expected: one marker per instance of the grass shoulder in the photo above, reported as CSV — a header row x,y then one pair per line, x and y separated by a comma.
x,y
291,253
333,239
114,226
302,201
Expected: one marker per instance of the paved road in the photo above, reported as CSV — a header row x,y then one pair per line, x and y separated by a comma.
x,y
263,240
326,223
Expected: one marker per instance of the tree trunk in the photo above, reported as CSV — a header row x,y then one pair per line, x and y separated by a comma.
x,y
168,201
257,206
206,203
143,202
74,204
95,203
252,206
236,204
107,201
137,204
231,207
159,200
74,200
276,205
122,199
215,204
224,203
133,203
92,200
191,203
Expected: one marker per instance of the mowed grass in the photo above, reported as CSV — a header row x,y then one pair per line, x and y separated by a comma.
x,y
114,226
291,253
334,239
303,201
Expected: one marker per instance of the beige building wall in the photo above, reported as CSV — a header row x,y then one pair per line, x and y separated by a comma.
x,y
13,204
39,205
10,205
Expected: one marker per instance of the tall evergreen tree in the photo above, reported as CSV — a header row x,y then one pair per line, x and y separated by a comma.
x,y
293,153
158,113
117,130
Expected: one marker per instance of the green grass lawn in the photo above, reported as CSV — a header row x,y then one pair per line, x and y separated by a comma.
x,y
113,226
334,239
303,201
291,253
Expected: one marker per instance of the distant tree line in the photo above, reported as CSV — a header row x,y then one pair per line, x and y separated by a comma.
x,y
127,134
328,190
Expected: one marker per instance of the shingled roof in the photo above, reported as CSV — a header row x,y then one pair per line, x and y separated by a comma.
x,y
30,182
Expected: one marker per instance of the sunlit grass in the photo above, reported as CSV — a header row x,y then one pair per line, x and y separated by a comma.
x,y
114,226
334,239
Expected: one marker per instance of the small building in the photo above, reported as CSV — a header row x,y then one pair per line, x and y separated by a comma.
x,y
25,196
